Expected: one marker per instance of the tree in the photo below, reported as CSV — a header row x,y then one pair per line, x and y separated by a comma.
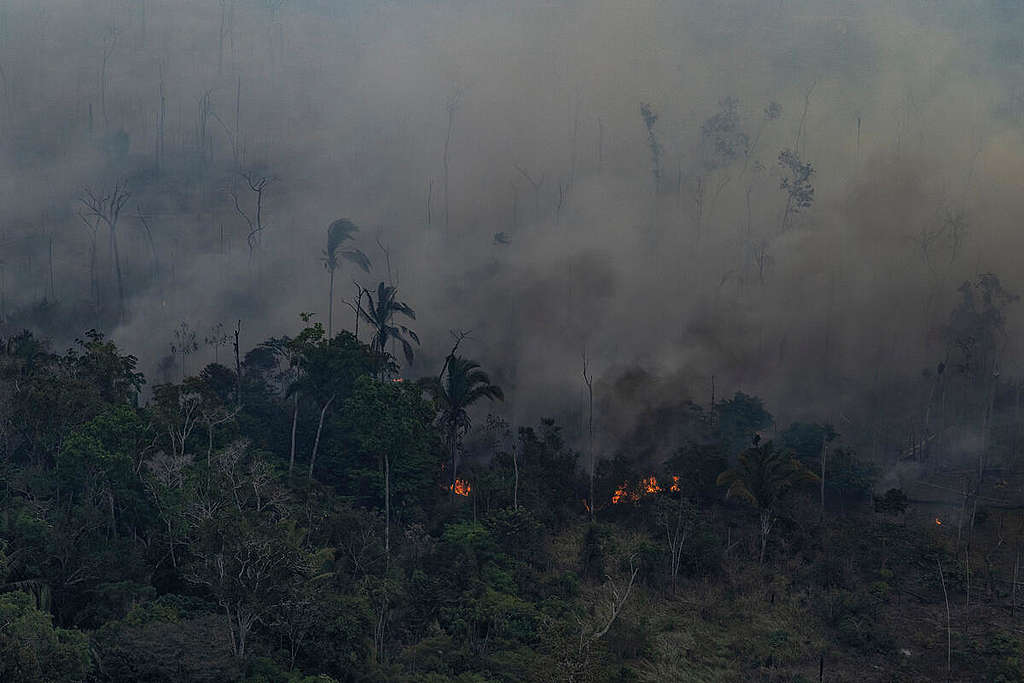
x,y
244,549
462,383
763,477
739,419
106,208
390,423
326,370
677,519
31,649
379,313
338,233
796,181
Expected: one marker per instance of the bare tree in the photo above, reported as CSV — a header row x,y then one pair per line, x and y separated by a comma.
x,y
454,100
106,209
257,184
589,381
536,185
109,43
184,344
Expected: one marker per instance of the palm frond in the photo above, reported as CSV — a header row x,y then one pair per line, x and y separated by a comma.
x,y
407,349
357,257
339,231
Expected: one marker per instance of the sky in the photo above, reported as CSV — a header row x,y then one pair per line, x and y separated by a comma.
x,y
567,224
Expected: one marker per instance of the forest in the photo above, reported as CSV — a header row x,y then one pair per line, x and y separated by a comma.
x,y
511,341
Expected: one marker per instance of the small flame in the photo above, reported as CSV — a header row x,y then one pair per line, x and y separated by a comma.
x,y
645,487
938,521
397,379
461,487
621,493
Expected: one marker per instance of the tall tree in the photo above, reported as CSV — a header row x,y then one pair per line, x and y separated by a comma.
x,y
106,209
339,232
461,384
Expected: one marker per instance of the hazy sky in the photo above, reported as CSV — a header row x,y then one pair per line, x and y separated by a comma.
x,y
674,253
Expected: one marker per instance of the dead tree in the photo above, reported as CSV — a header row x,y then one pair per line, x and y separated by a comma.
x,y
453,105
109,43
92,226
536,185
106,209
589,381
257,184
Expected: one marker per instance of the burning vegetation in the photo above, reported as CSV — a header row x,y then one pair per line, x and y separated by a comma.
x,y
461,487
645,487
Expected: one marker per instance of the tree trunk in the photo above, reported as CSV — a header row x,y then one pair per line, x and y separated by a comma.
x,y
766,527
238,364
316,442
387,510
330,307
824,453
515,486
295,421
117,272
453,447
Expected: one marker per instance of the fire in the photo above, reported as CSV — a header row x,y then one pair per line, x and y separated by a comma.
x,y
645,487
461,487
397,379
621,493
938,521
650,485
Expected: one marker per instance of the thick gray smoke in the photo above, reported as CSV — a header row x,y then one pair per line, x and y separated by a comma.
x,y
598,177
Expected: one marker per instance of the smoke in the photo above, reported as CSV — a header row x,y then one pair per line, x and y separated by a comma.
x,y
568,225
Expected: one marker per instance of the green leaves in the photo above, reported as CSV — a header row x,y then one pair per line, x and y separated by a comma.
x,y
764,476
31,649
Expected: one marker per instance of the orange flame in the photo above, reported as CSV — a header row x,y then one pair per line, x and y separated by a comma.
x,y
621,493
650,485
645,487
938,521
461,487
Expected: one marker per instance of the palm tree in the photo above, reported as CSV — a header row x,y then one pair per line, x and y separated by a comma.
x,y
339,232
763,477
380,313
461,384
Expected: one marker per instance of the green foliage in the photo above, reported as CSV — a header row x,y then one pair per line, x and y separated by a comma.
x,y
764,476
391,420
165,541
31,649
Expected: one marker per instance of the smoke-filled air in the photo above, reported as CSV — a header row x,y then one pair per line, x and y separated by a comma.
x,y
658,340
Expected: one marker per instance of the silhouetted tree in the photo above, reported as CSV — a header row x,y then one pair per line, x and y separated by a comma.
x,y
379,313
462,383
339,232
763,477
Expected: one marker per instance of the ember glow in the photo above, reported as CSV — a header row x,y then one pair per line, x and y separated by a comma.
x,y
645,487
650,485
938,521
461,487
